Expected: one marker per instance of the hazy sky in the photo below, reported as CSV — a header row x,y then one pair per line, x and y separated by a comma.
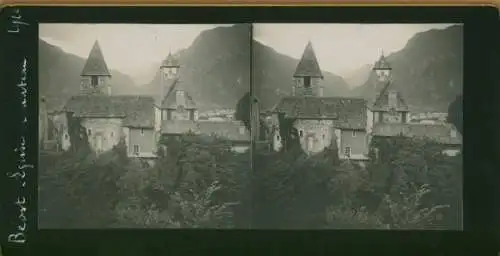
x,y
129,48
340,48
134,48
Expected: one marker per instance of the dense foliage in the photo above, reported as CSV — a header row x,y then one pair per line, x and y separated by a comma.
x,y
198,182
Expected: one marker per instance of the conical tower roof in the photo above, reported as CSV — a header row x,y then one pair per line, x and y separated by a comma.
x,y
308,64
95,65
382,63
170,61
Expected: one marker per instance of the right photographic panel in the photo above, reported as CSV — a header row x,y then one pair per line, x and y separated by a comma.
x,y
358,126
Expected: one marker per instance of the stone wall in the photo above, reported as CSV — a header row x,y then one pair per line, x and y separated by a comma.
x,y
103,133
315,135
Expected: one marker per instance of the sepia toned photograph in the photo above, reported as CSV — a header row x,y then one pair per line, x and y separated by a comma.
x,y
250,126
360,126
143,125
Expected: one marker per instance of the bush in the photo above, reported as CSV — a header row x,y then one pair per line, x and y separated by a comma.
x,y
197,184
79,191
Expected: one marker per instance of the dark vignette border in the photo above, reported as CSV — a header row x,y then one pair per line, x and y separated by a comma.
x,y
480,215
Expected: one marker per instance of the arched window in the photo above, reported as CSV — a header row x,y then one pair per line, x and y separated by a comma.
x,y
307,81
94,80
301,133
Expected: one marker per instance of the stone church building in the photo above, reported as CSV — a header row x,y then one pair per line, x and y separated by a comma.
x,y
349,124
140,121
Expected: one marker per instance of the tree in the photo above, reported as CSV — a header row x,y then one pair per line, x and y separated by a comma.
x,y
405,165
243,108
455,113
284,184
77,134
288,133
198,183
79,190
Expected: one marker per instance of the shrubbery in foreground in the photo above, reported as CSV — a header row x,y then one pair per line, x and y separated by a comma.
x,y
200,183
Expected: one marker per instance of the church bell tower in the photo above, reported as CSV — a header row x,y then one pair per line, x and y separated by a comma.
x,y
95,76
169,73
307,77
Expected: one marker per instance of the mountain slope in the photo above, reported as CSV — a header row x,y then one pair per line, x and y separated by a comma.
x,y
59,73
359,76
215,69
273,76
428,71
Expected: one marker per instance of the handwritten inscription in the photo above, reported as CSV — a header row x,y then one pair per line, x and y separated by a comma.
x,y
23,166
19,236
16,22
23,85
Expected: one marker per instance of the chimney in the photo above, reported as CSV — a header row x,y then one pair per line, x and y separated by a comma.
x,y
180,98
393,99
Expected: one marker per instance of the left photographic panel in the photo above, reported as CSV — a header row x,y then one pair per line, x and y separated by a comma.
x,y
143,125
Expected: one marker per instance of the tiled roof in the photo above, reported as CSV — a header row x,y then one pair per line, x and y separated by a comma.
x,y
170,100
231,130
381,102
441,133
228,130
136,111
179,126
308,64
348,113
53,104
95,64
170,61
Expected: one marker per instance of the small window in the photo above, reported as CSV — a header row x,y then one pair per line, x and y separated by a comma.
x,y
136,149
301,133
353,133
66,136
89,131
307,81
142,131
347,152
112,134
277,137
323,136
94,80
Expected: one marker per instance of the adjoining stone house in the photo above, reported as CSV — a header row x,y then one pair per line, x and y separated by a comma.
x,y
233,131
178,112
445,135
347,123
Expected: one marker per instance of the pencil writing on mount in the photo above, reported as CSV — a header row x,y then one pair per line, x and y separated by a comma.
x,y
16,22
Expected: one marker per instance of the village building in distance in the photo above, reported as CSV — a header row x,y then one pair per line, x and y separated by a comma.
x,y
140,121
349,123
